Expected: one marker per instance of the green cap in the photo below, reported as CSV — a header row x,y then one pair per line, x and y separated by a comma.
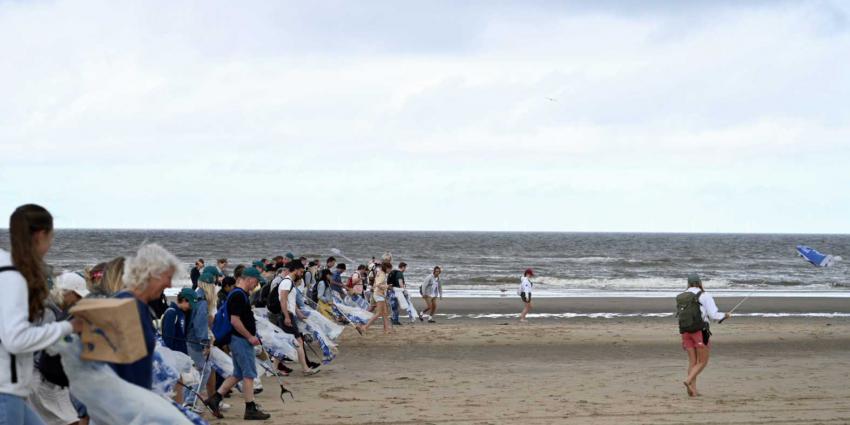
x,y
209,274
253,273
290,255
259,264
693,279
189,295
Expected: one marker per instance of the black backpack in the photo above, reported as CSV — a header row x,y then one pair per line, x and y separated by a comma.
x,y
273,303
688,312
258,299
313,294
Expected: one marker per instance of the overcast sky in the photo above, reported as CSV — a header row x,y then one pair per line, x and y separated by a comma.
x,y
620,116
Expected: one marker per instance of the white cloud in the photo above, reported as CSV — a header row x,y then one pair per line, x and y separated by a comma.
x,y
150,108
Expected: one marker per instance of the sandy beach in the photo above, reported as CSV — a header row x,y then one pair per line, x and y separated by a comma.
x,y
576,371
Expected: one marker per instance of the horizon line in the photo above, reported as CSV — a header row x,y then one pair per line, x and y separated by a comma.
x,y
6,229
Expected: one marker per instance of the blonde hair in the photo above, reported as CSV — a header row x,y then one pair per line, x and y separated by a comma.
x,y
151,260
113,274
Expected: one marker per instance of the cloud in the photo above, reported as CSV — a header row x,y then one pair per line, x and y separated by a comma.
x,y
481,108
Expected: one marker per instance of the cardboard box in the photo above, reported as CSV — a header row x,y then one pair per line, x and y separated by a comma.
x,y
112,331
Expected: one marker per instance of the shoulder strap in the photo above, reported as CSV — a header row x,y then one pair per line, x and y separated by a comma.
x,y
13,367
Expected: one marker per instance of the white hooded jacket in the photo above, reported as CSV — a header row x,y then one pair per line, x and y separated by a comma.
x,y
18,336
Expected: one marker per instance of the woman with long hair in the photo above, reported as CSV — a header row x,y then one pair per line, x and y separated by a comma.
x,y
23,280
379,295
430,290
696,341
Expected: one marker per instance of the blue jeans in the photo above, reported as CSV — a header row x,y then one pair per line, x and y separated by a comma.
x,y
393,304
14,410
244,365
196,352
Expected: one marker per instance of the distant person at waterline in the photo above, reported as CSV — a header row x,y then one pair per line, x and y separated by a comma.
x,y
694,308
429,291
524,292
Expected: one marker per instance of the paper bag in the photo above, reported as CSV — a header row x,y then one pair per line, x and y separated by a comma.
x,y
112,331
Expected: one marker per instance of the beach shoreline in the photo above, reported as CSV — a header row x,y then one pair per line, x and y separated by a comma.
x,y
588,371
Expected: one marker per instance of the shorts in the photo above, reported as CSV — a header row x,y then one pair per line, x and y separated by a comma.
x,y
526,298
244,363
378,298
698,339
292,330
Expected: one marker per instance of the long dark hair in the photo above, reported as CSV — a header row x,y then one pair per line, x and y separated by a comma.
x,y
325,275
23,224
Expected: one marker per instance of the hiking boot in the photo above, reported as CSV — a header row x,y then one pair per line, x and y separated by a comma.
x,y
396,323
214,403
253,413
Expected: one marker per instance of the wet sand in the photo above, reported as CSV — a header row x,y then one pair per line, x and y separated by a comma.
x,y
577,371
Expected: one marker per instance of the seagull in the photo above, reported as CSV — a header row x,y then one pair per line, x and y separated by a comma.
x,y
551,99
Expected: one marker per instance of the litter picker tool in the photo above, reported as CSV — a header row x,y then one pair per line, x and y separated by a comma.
x,y
338,252
737,305
271,370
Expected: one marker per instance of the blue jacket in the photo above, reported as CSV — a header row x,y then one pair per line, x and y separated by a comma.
x,y
174,329
199,323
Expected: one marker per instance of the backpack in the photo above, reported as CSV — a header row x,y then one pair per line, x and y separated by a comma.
x,y
688,312
221,328
259,299
273,303
313,293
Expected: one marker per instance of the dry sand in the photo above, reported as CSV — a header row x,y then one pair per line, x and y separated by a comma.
x,y
577,371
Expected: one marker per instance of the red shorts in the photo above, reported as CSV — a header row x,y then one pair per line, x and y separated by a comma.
x,y
694,340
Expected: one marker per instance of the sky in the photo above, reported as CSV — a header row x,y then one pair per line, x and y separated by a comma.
x,y
704,116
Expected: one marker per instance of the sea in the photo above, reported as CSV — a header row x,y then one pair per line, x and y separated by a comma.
x,y
490,264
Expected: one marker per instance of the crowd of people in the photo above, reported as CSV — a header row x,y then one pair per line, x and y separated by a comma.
x,y
222,315
224,327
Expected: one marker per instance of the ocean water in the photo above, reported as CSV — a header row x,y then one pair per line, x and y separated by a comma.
x,y
490,264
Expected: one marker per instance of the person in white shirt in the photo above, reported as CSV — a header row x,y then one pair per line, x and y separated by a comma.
x,y
290,312
24,283
525,293
429,291
697,343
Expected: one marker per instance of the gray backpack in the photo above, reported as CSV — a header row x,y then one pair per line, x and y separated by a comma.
x,y
688,312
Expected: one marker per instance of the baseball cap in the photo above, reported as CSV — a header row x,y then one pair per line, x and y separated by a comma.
x,y
290,255
72,282
253,273
694,279
258,263
189,295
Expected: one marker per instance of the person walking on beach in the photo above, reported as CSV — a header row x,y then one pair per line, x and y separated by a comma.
x,y
695,308
24,283
524,292
379,296
242,343
429,291
396,281
290,313
195,273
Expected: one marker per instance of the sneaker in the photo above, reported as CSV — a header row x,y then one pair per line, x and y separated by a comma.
x,y
432,321
421,319
253,413
224,407
214,403
313,365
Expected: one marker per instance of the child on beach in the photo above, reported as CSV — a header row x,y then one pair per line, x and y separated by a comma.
x,y
525,293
